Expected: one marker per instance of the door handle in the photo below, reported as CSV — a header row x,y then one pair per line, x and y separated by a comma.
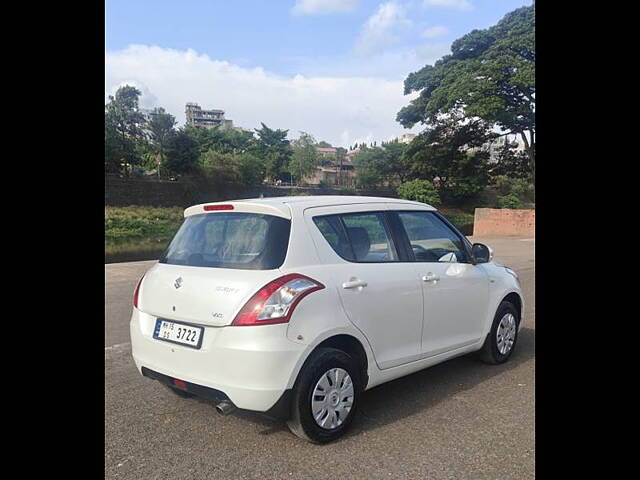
x,y
430,277
354,284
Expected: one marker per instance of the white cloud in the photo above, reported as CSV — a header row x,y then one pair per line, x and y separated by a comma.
x,y
340,110
435,32
431,52
455,4
320,7
381,28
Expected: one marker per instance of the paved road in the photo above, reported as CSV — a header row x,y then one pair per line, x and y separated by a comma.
x,y
458,420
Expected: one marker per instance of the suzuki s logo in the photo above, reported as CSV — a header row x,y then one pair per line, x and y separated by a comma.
x,y
178,282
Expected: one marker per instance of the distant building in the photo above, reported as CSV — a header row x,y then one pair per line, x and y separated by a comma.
x,y
495,146
198,117
327,152
332,170
407,137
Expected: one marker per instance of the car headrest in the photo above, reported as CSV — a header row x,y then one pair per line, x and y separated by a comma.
x,y
360,241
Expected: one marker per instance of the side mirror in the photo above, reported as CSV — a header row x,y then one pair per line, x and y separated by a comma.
x,y
481,253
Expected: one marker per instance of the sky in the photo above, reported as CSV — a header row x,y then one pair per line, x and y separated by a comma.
x,y
332,68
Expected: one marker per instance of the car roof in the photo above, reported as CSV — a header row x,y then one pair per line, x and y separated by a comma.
x,y
284,204
327,200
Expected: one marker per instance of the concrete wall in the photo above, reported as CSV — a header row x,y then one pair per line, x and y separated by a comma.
x,y
493,221
121,192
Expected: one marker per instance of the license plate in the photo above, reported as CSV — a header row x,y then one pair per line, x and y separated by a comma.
x,y
177,332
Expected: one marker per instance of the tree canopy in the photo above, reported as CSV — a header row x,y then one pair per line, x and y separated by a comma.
x,y
490,74
122,122
274,148
304,158
451,154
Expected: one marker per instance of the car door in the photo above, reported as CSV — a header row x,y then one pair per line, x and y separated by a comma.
x,y
456,292
379,290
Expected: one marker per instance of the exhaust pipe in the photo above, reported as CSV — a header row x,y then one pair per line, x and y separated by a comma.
x,y
225,407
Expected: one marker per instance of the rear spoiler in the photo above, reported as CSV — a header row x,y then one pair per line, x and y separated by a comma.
x,y
278,210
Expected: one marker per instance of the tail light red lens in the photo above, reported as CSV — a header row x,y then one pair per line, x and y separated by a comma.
x,y
136,293
276,301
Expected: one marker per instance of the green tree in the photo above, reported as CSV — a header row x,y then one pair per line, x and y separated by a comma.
x,y
397,165
371,166
323,144
275,149
224,141
251,169
450,154
219,167
341,155
419,191
231,168
304,158
161,128
122,122
490,74
182,152
375,165
509,201
518,187
511,162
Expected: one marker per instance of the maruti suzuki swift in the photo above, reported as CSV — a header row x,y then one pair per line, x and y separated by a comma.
x,y
294,306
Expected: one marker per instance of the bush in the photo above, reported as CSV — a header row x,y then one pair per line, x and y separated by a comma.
x,y
521,188
419,191
509,201
462,221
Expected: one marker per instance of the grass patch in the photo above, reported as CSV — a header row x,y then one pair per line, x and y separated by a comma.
x,y
136,223
139,233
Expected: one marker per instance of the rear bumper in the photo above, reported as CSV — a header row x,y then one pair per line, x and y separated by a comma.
x,y
252,367
280,410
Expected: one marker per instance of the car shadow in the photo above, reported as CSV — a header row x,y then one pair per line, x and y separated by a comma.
x,y
416,392
425,389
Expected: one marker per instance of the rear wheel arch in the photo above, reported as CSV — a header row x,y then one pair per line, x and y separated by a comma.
x,y
352,347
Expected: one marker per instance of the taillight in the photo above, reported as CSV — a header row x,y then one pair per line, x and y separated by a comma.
x,y
275,302
136,293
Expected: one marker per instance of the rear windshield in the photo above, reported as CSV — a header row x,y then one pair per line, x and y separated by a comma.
x,y
248,241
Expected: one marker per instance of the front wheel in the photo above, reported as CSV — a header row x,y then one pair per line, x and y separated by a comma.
x,y
502,337
325,396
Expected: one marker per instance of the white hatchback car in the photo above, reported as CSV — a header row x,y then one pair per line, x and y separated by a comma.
x,y
293,306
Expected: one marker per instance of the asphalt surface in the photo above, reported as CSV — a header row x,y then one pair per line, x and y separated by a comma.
x,y
461,419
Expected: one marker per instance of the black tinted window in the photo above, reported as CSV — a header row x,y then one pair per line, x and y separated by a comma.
x,y
230,240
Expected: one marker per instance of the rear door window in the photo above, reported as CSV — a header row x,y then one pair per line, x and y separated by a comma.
x,y
248,241
358,237
333,231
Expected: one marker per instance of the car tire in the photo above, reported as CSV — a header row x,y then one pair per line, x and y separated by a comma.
x,y
180,393
318,371
495,351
